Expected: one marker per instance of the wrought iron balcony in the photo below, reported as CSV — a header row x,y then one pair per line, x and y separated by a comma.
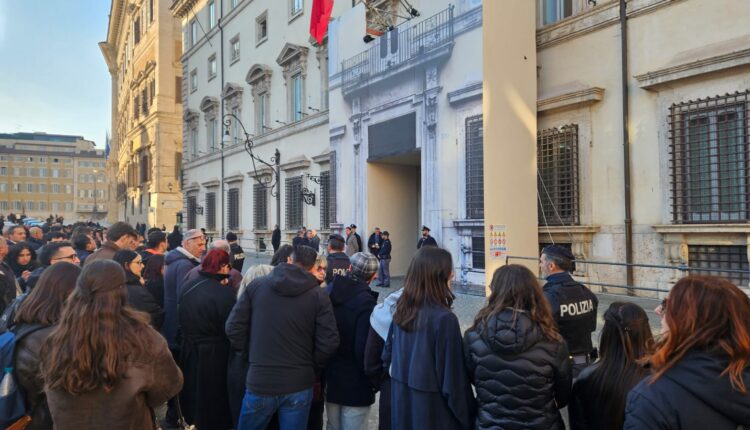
x,y
400,50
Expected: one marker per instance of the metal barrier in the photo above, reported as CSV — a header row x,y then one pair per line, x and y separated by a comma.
x,y
684,270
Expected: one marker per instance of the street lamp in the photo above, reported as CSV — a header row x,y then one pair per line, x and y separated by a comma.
x,y
272,184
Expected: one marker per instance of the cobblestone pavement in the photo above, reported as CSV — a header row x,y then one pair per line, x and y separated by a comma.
x,y
466,307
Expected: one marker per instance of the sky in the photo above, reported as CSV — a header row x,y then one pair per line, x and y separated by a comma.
x,y
53,77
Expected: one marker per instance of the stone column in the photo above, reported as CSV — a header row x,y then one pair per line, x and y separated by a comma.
x,y
430,215
509,103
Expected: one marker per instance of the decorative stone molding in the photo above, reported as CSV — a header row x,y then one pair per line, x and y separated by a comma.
x,y
234,177
192,187
655,79
209,104
298,162
570,100
260,172
232,93
337,132
467,93
190,115
293,59
259,75
323,158
210,183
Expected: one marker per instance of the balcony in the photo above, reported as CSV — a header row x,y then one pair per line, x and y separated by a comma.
x,y
400,50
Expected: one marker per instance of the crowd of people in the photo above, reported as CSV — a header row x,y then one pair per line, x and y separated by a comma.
x,y
111,324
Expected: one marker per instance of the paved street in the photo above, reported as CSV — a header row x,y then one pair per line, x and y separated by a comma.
x,y
466,307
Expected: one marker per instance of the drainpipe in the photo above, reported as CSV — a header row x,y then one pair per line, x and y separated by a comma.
x,y
626,145
220,122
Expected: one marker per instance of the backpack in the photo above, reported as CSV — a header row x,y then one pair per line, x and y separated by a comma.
x,y
12,399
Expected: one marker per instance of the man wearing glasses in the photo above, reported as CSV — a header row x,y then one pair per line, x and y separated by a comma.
x,y
49,254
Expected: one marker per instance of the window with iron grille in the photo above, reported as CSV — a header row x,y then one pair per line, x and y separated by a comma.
x,y
233,208
474,168
294,203
260,206
477,251
332,190
192,205
709,149
210,211
714,259
557,178
325,200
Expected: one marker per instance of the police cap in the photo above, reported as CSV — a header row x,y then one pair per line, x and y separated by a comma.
x,y
561,252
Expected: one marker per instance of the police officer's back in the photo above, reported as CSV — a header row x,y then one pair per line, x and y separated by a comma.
x,y
573,305
338,261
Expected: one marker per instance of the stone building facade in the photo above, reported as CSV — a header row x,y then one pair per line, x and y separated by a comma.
x,y
142,52
253,72
43,174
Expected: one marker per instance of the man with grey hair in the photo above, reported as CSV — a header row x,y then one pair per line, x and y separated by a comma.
x,y
15,234
179,262
235,276
36,238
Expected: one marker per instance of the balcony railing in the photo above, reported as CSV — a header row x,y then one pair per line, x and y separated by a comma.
x,y
405,47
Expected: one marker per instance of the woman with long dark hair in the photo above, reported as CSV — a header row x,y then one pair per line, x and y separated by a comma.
x,y
34,321
600,391
22,259
517,359
424,351
203,308
700,365
103,365
153,274
138,296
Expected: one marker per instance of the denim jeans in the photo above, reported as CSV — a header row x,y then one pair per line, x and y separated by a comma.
x,y
346,417
293,410
384,272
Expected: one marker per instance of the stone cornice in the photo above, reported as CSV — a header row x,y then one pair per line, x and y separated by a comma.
x,y
212,182
569,229
180,8
570,100
325,157
702,228
469,92
298,162
235,176
657,78
592,20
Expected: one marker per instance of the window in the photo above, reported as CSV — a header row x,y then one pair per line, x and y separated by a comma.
x,y
3,187
144,101
325,200
474,168
709,148
177,89
211,67
29,188
211,130
145,166
233,208
235,124
3,205
42,206
234,53
137,30
260,206
3,171
18,205
192,209
43,172
68,206
193,33
210,211
55,206
297,97
732,259
30,205
211,14
193,80
68,189
294,203
262,112
55,173
193,142
261,28
555,10
557,175
56,188
151,10
296,7
136,107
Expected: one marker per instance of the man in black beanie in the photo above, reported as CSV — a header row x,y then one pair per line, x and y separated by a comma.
x,y
573,305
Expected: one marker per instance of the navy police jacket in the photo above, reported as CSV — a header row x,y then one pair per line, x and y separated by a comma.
x,y
574,310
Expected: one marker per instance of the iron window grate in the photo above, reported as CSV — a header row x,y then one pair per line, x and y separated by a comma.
x,y
233,203
474,168
260,206
192,205
709,159
557,179
294,203
714,259
477,252
211,211
325,200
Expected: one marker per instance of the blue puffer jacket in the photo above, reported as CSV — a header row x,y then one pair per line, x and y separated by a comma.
x,y
178,265
692,395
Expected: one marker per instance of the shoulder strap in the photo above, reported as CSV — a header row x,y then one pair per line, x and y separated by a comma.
x,y
26,330
186,292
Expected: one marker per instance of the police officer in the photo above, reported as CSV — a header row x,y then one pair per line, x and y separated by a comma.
x,y
338,261
573,305
238,254
426,239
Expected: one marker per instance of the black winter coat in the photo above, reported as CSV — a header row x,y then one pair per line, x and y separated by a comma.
x,y
692,395
285,321
141,299
347,383
521,378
